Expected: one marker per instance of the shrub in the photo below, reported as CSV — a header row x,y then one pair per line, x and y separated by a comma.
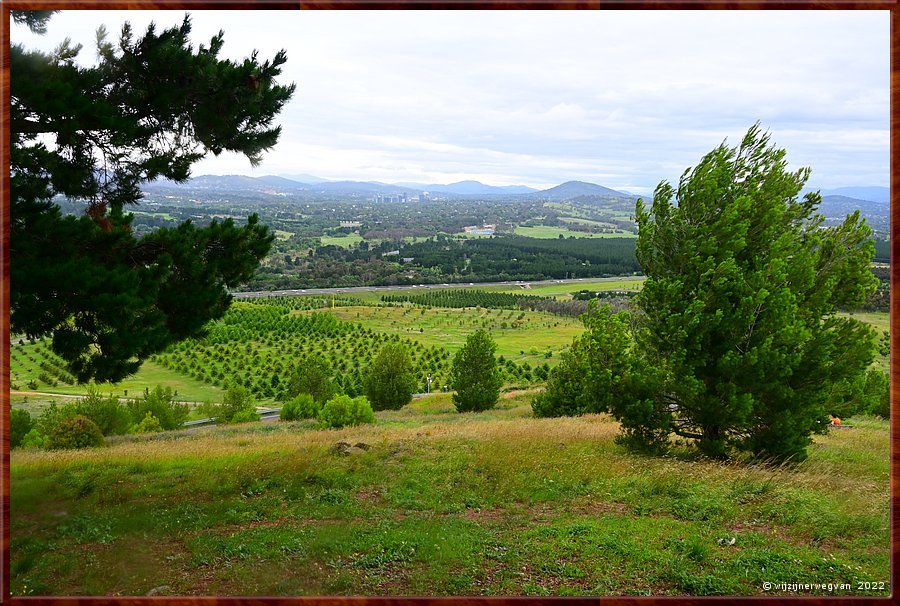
x,y
302,406
160,403
34,439
74,432
20,423
110,415
344,411
245,416
149,424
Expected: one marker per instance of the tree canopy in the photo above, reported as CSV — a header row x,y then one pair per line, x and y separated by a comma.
x,y
149,108
739,307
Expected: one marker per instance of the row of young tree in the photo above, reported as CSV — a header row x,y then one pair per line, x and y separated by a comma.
x,y
735,343
389,381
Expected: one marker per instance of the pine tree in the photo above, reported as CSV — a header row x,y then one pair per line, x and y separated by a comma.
x,y
389,381
149,109
739,306
474,376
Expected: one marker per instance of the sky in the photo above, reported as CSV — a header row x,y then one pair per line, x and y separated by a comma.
x,y
624,99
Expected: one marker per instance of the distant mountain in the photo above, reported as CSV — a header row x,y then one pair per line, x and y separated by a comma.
x,y
874,194
574,189
304,178
840,206
469,188
283,183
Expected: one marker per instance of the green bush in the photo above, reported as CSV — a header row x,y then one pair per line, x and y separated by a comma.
x,y
161,404
74,432
245,416
20,423
344,411
34,439
302,406
110,415
149,424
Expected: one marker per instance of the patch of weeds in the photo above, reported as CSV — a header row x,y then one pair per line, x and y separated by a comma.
x,y
383,555
86,528
693,549
746,490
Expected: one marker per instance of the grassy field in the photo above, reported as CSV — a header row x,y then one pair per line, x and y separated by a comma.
x,y
544,231
439,503
527,339
343,241
23,370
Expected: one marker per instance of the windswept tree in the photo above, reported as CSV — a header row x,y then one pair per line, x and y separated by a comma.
x,y
149,108
474,376
739,307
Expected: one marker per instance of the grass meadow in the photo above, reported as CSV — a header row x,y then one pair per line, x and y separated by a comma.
x,y
433,502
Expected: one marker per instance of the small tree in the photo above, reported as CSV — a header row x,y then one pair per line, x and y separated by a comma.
x,y
474,375
20,423
389,380
237,406
313,375
160,402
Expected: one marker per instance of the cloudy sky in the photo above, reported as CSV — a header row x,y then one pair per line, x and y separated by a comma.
x,y
621,98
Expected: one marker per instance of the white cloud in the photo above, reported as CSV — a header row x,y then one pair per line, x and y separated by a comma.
x,y
618,97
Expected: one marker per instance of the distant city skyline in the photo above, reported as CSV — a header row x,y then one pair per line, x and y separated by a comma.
x,y
623,99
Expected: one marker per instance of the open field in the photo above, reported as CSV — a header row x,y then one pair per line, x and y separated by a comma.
x,y
544,231
343,241
439,503
535,334
24,370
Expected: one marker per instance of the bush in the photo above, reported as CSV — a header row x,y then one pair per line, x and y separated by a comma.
x,y
302,406
149,424
20,423
110,415
245,416
34,439
75,432
160,403
344,411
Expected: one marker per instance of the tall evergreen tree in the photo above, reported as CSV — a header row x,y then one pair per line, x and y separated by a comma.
x,y
739,306
150,108
474,375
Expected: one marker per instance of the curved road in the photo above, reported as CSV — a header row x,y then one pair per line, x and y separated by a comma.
x,y
524,284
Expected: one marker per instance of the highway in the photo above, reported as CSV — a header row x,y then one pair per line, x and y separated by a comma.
x,y
523,284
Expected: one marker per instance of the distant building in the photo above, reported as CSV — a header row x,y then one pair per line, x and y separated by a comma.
x,y
483,230
350,224
388,198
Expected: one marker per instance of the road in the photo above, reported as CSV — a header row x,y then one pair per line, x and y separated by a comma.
x,y
524,284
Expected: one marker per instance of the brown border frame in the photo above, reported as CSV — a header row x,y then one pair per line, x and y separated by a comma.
x,y
7,5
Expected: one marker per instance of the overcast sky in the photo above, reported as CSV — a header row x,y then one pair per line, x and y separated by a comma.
x,y
620,98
